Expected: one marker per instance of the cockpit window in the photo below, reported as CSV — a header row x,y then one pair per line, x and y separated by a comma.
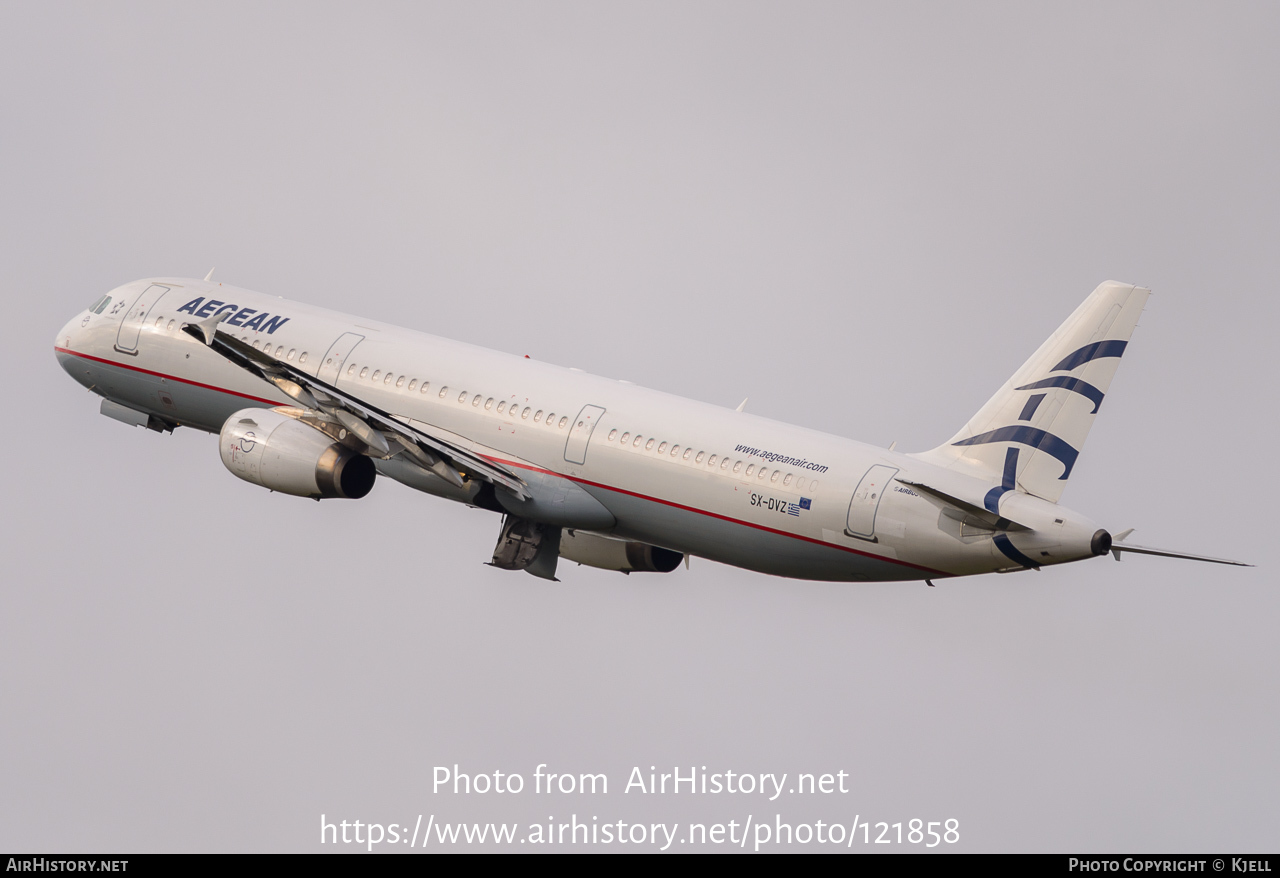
x,y
99,306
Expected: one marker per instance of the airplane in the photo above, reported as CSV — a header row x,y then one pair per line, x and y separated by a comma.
x,y
320,404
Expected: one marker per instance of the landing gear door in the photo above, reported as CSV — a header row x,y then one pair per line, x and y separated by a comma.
x,y
136,317
331,364
575,449
866,500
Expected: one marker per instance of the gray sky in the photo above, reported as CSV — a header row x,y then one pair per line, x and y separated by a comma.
x,y
863,217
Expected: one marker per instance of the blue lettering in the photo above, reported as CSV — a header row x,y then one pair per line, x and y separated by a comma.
x,y
256,321
191,306
208,308
239,318
231,308
274,323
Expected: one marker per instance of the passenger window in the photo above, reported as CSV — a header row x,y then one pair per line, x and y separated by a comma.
x,y
413,382
387,379
462,397
292,351
813,487
701,455
712,461
501,406
524,415
800,484
303,358
662,448
426,385
763,472
278,350
689,451
400,381
170,326
444,391
625,437
613,434
750,467
538,416
724,463
475,403
488,403
377,373
551,419
737,466
563,422
675,449
787,480
364,371
636,442
159,320
648,445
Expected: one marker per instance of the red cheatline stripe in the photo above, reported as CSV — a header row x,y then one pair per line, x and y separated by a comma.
x,y
504,462
766,528
270,402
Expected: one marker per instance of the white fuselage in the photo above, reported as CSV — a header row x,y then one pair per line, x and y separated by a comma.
x,y
690,477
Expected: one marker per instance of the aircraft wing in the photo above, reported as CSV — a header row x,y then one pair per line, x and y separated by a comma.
x,y
383,435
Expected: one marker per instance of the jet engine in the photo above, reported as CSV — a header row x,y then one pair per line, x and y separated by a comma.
x,y
272,449
611,554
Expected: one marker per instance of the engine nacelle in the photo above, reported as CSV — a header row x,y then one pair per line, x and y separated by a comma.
x,y
610,554
271,449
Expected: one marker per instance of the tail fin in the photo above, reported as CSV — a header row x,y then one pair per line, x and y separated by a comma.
x,y
1029,434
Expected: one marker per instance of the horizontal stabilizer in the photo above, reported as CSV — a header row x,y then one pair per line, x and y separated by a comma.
x,y
991,519
1118,548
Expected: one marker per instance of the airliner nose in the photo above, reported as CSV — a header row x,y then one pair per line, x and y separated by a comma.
x,y
67,335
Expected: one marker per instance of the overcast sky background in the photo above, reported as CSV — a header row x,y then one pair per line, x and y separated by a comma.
x,y
862,216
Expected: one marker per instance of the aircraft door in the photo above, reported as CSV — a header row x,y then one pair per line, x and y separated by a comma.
x,y
331,365
136,317
575,448
861,522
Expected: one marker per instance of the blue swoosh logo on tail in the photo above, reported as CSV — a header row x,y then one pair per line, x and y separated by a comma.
x,y
1011,552
1032,437
1096,351
1084,388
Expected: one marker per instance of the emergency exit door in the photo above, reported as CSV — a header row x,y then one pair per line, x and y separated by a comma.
x,y
575,448
331,366
866,500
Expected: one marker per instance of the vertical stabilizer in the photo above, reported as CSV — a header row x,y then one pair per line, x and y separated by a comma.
x,y
1028,436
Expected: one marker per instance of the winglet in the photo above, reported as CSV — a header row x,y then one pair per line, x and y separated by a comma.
x,y
742,406
207,328
209,276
